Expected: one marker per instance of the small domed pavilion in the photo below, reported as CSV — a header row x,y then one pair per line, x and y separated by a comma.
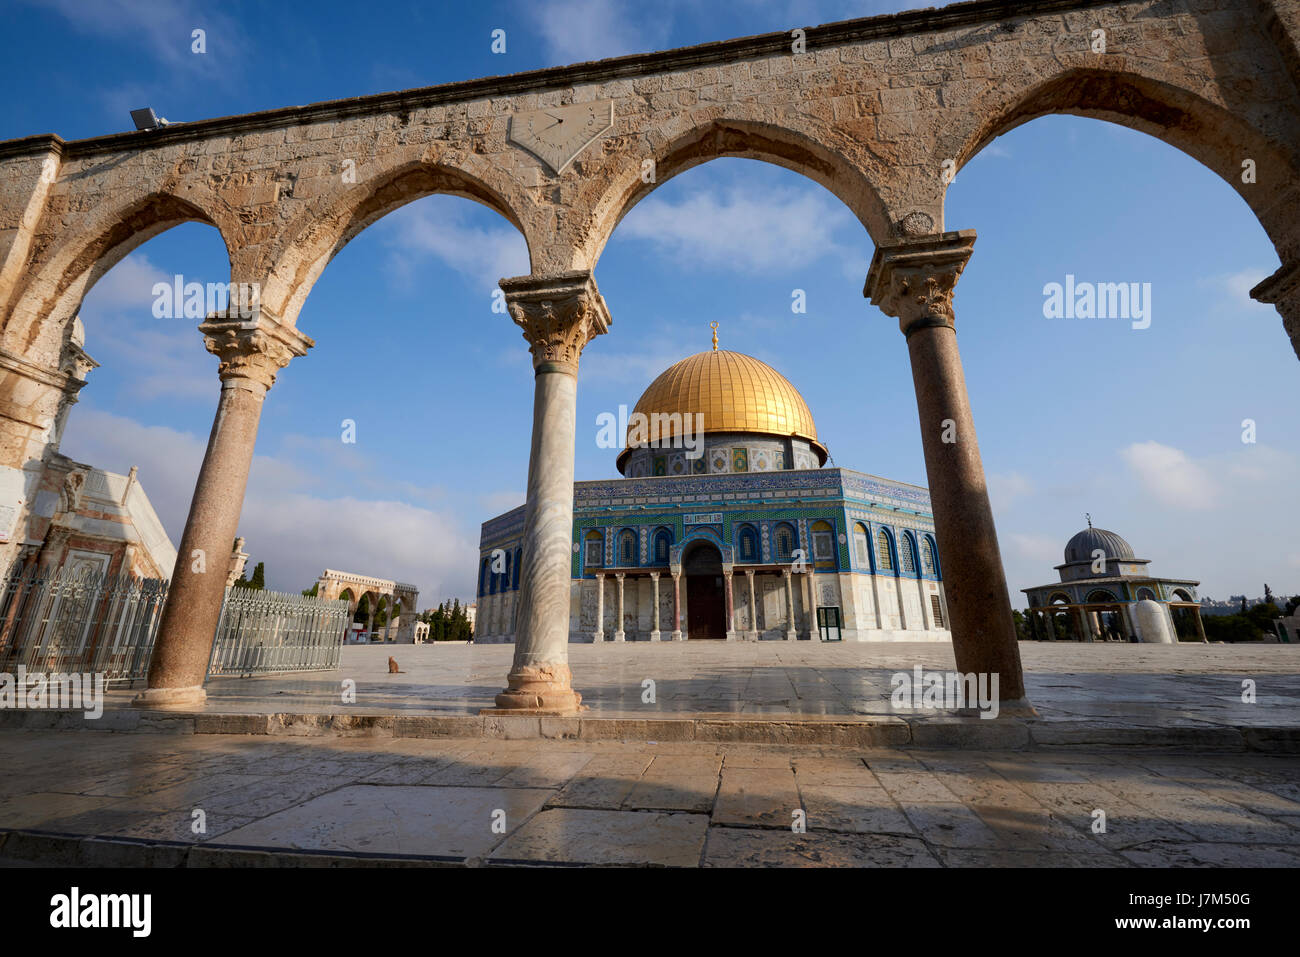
x,y
1102,582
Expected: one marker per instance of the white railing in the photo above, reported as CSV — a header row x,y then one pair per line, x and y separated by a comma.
x,y
65,622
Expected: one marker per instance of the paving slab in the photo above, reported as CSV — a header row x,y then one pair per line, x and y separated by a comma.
x,y
448,822
584,836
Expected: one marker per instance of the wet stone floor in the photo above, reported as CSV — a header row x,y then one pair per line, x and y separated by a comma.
x,y
541,801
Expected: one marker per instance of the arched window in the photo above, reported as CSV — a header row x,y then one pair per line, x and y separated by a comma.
x,y
1146,593
747,543
823,543
785,542
907,554
663,545
861,552
627,547
594,550
927,556
884,554
483,578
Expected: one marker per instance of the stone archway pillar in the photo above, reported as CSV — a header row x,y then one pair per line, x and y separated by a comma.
x,y
813,633
753,608
790,634
598,635
559,316
250,353
655,634
731,606
914,279
619,634
677,605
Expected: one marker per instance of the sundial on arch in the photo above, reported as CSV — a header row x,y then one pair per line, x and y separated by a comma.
x,y
557,135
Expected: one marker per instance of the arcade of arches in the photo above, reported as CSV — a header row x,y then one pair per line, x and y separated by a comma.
x,y
365,595
871,109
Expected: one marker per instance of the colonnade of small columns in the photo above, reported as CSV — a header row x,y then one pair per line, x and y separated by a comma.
x,y
912,279
677,633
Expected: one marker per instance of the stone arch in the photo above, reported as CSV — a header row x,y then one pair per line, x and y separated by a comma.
x,y
824,154
322,229
54,290
1214,135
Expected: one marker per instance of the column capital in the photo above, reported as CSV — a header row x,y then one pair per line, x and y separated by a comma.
x,y
1282,291
619,575
559,315
255,349
749,573
914,279
654,575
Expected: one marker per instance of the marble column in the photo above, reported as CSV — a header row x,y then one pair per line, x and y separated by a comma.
x,y
618,622
598,635
914,279
654,584
813,633
731,607
677,607
559,315
753,607
789,606
250,353
1051,626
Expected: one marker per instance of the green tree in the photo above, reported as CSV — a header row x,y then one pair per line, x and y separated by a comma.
x,y
1292,604
1262,615
312,591
258,581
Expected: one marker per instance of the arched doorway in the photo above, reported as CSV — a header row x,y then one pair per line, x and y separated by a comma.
x,y
706,603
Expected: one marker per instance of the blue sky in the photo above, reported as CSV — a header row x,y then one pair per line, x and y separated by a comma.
x,y
1142,428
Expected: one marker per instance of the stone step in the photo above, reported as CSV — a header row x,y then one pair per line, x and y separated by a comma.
x,y
934,731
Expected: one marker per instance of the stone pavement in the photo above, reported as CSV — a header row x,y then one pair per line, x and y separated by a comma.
x,y
1086,695
1064,679
130,799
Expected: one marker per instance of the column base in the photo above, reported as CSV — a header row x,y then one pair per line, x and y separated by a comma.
x,y
1017,708
751,636
656,636
791,636
536,689
620,636
678,636
598,637
155,699
731,636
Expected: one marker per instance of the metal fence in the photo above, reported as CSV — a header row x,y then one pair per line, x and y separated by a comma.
x,y
83,622
267,632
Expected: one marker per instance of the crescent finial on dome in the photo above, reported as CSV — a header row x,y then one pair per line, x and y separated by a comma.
x,y
714,326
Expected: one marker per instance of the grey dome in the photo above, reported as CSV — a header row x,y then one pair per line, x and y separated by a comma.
x,y
1082,545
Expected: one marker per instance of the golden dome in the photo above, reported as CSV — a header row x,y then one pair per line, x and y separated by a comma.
x,y
735,392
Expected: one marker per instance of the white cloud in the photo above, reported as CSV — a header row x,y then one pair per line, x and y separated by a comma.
x,y
297,534
574,31
1234,289
777,231
161,27
1039,548
1170,476
1005,488
440,230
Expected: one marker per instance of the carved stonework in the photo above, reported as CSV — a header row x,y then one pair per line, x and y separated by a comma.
x,y
252,350
914,279
559,315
